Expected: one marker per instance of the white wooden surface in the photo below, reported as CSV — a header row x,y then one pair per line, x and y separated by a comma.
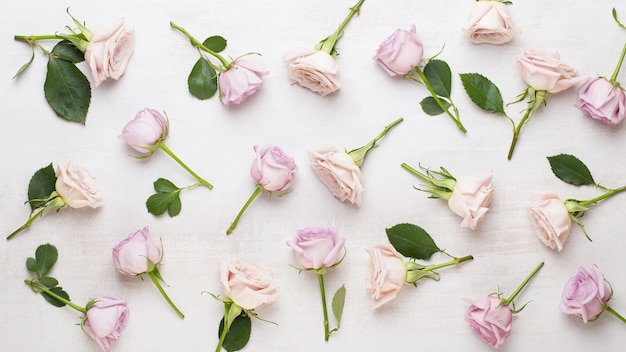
x,y
217,143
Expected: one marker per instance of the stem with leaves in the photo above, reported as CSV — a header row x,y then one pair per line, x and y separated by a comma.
x,y
508,301
424,80
226,65
155,279
537,98
54,202
329,43
36,286
167,150
256,192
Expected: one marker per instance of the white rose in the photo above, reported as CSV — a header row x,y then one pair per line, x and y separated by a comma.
x,y
109,51
470,199
313,69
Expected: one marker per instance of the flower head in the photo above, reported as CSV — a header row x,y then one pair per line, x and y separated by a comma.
x,y
470,199
602,100
400,52
105,320
247,285
550,218
273,169
387,273
338,172
77,186
543,71
313,69
239,82
489,320
109,51
137,253
489,22
317,247
147,129
585,293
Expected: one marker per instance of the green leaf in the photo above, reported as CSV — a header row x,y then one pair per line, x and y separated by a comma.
x,y
439,76
339,300
239,333
27,64
163,185
570,169
215,43
158,203
67,90
48,281
41,186
68,52
412,241
430,106
175,205
59,292
202,80
483,92
46,256
167,198
31,264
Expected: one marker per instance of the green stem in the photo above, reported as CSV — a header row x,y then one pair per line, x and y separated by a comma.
x,y
54,295
256,192
454,261
320,279
222,338
156,282
27,224
163,147
199,45
456,119
608,194
614,313
328,44
416,172
359,154
533,105
34,38
619,65
520,287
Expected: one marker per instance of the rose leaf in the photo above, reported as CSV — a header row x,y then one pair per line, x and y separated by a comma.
x,y
67,51
439,76
59,292
484,93
339,300
46,256
412,241
163,185
202,80
41,186
67,90
570,169
215,43
239,333
430,106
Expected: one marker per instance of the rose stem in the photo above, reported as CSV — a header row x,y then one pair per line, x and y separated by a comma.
x,y
454,261
27,224
156,282
320,279
55,296
329,45
163,147
519,289
603,196
619,65
534,104
612,311
199,45
359,154
256,192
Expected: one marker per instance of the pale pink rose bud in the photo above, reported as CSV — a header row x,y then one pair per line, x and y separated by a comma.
x,y
105,320
317,247
400,52
489,22
489,320
76,186
338,172
247,285
131,255
313,69
602,100
109,51
239,82
584,293
387,273
550,218
470,199
273,169
543,70
147,129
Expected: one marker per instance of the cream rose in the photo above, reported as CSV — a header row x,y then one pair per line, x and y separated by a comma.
x,y
77,186
248,285
339,173
313,69
543,70
387,273
489,22
550,218
109,51
470,199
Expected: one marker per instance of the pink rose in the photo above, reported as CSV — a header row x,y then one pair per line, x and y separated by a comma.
x,y
550,218
248,285
239,82
338,172
109,51
543,70
147,129
77,186
602,100
317,247
131,255
387,273
400,52
313,69
106,318
273,169
489,320
470,199
585,293
489,22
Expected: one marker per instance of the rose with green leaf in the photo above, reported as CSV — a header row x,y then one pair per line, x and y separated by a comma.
x,y
544,73
67,185
389,272
318,249
340,171
552,218
491,317
103,319
467,196
401,54
106,50
236,80
316,68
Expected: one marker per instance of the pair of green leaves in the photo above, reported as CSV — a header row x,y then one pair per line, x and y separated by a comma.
x,y
202,80
167,198
46,256
412,241
66,88
439,76
41,186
